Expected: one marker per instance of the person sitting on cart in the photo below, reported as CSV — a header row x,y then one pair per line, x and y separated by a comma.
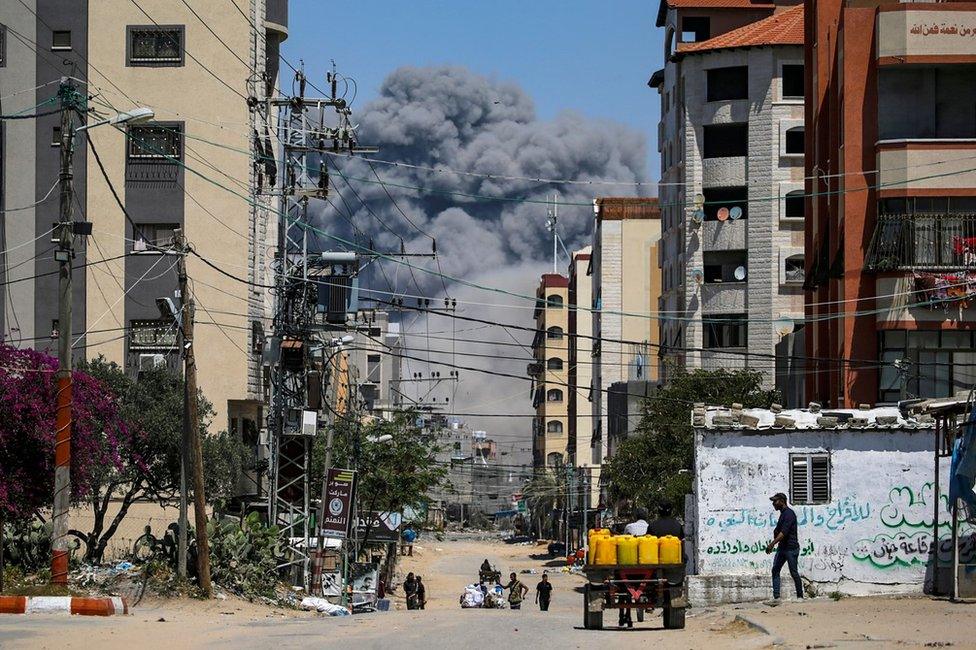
x,y
666,524
486,566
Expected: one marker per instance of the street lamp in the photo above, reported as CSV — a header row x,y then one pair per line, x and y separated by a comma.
x,y
67,228
135,116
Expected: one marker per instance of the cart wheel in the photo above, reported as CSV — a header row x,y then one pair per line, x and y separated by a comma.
x,y
592,610
674,618
640,615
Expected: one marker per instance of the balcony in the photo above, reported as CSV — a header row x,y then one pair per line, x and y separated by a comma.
x,y
724,235
276,17
723,172
724,297
937,242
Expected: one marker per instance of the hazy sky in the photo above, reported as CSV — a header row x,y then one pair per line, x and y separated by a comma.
x,y
592,57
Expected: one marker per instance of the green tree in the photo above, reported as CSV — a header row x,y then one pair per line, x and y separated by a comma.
x,y
542,496
152,407
654,466
396,462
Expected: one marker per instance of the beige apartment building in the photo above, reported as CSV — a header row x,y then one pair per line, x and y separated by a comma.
x,y
550,373
581,370
626,285
188,168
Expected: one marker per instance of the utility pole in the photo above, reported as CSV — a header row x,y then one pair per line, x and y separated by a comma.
x,y
63,255
192,445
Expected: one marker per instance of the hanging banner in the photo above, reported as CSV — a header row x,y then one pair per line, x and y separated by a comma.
x,y
339,500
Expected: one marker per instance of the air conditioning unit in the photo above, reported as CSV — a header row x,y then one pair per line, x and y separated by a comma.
x,y
151,361
264,437
139,246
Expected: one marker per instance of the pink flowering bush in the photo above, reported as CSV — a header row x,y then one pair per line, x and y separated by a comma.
x,y
101,440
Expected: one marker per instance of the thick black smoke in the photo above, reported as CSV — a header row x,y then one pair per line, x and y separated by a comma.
x,y
450,117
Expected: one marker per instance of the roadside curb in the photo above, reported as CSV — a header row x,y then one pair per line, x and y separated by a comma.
x,y
63,605
759,627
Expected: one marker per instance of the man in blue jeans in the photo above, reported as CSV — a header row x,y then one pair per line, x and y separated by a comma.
x,y
788,551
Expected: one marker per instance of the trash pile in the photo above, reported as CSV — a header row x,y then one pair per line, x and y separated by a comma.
x,y
323,606
483,597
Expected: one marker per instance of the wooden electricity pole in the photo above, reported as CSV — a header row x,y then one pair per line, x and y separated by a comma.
x,y
192,445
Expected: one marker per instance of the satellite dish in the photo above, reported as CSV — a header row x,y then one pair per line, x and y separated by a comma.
x,y
723,214
698,276
740,273
699,200
735,212
697,217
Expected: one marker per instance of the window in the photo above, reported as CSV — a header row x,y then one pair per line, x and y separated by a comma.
x,y
554,302
155,46
725,197
373,368
927,101
3,45
792,81
554,395
155,143
554,426
727,83
695,29
148,237
554,333
554,363
56,136
725,140
794,205
554,459
793,269
152,335
809,479
61,40
794,141
725,331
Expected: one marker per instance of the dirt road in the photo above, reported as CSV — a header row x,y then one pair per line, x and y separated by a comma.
x,y
448,566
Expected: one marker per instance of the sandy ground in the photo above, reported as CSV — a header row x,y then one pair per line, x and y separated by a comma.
x,y
447,566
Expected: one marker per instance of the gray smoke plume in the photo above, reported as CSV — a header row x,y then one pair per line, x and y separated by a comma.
x,y
449,117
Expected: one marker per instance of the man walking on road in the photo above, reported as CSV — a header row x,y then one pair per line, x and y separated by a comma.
x,y
516,592
788,550
543,592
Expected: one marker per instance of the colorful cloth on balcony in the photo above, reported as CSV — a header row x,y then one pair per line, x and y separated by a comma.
x,y
944,290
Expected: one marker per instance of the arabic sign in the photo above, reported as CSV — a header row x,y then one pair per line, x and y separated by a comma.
x,y
925,33
340,496
385,527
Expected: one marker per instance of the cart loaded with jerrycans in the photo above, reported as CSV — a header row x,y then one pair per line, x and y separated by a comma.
x,y
634,572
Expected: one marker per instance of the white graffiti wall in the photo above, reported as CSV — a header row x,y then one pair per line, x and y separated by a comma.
x,y
875,533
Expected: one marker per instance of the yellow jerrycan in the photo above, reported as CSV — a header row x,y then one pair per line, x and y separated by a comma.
x,y
647,549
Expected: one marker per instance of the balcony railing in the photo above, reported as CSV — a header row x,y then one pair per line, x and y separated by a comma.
x,y
923,241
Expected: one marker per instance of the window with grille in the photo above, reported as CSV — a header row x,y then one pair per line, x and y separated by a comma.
x,y
152,335
155,45
150,237
555,333
157,143
554,426
554,395
809,478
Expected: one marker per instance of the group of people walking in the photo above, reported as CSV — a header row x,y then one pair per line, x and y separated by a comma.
x,y
517,590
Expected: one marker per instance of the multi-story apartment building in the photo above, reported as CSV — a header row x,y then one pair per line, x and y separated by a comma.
x,y
580,415
626,285
892,212
731,139
195,69
550,373
374,359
